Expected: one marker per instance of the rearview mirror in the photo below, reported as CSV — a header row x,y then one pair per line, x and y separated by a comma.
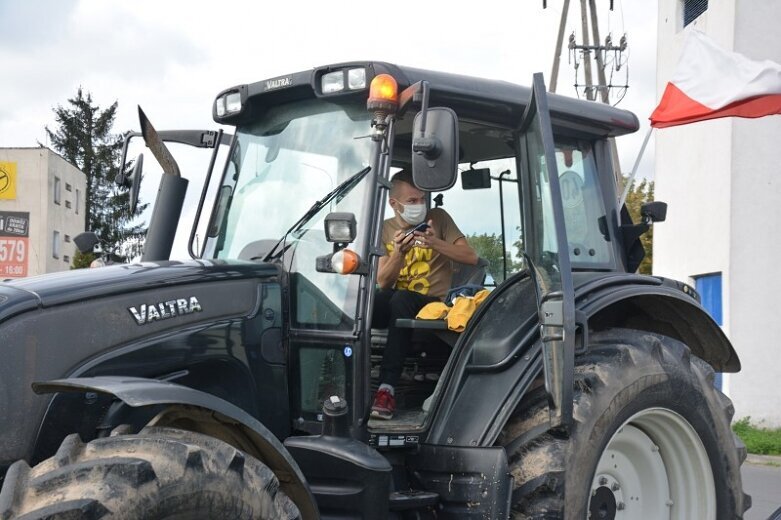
x,y
132,182
86,242
654,211
435,149
135,182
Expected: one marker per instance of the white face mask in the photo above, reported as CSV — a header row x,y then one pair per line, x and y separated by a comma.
x,y
413,214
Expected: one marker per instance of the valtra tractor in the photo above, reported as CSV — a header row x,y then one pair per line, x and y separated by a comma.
x,y
238,383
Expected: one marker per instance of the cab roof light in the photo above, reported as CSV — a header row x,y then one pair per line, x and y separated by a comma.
x,y
383,93
232,102
220,106
228,104
332,82
356,79
342,80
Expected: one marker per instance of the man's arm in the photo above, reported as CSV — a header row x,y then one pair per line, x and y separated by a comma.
x,y
390,265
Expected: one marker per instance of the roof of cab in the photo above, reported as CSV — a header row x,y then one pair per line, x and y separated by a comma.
x,y
495,101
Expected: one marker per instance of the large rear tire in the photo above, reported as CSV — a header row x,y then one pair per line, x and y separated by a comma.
x,y
650,439
155,474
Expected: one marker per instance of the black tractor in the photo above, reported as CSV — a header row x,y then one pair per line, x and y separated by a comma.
x,y
238,384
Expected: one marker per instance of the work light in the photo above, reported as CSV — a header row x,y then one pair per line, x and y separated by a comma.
x,y
340,227
356,79
228,103
232,102
332,82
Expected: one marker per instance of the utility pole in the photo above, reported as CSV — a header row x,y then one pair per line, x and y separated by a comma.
x,y
598,54
557,54
586,51
599,51
585,48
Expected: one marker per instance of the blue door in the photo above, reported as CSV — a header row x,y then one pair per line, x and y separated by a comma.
x,y
709,287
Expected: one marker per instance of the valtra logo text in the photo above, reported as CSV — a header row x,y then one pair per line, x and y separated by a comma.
x,y
147,313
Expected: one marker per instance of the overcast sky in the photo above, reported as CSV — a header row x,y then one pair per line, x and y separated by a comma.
x,y
172,57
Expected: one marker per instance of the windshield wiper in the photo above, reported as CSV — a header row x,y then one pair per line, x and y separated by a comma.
x,y
337,193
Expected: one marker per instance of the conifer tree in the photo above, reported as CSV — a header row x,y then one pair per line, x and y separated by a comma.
x,y
83,137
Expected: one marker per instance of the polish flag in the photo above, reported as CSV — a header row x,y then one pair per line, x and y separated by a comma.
x,y
710,82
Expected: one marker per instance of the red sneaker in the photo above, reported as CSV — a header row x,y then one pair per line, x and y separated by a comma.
x,y
384,405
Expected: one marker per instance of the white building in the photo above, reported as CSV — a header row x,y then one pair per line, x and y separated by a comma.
x,y
41,210
722,181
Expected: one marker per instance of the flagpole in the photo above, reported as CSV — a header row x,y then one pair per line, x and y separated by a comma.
x,y
631,178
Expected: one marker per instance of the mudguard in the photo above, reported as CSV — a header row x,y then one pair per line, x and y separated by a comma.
x,y
140,392
658,305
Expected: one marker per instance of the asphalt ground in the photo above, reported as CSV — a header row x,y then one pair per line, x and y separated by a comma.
x,y
762,480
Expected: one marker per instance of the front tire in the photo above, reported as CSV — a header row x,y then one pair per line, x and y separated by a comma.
x,y
650,439
155,474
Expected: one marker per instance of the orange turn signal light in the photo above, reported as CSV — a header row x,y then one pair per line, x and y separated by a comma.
x,y
345,261
383,93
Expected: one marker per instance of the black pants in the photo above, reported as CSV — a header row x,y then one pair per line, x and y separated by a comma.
x,y
389,305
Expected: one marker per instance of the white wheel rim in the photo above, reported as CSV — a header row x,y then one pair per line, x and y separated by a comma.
x,y
655,466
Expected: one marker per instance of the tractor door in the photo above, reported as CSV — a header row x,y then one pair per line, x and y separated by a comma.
x,y
545,244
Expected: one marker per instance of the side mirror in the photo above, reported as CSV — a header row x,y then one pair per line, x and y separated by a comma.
x,y
435,149
135,182
654,211
132,181
86,242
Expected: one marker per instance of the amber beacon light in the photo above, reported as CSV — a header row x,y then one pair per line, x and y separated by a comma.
x,y
383,94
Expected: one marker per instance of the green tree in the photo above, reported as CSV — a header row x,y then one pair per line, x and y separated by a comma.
x,y
83,137
82,260
638,195
490,248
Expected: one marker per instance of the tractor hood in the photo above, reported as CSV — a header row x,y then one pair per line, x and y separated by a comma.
x,y
142,320
50,290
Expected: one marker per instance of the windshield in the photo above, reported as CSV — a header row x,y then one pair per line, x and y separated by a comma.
x,y
281,166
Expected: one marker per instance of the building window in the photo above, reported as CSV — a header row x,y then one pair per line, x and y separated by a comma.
x,y
56,190
56,244
68,187
66,259
692,9
68,204
78,193
67,239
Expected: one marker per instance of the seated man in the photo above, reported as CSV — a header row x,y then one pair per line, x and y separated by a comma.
x,y
416,271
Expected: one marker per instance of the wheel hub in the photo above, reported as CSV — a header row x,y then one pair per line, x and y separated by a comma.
x,y
603,504
607,498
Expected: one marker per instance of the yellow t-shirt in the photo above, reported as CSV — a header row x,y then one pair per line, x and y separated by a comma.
x,y
425,271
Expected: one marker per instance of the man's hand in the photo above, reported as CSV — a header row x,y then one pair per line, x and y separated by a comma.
x,y
459,251
402,242
427,238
